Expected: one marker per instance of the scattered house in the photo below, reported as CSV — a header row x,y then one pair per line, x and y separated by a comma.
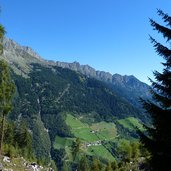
x,y
88,145
96,143
93,132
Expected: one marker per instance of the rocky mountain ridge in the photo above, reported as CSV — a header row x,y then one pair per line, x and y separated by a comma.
x,y
127,81
11,45
21,58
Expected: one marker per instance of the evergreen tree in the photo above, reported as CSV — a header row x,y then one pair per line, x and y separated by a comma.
x,y
135,151
7,89
65,167
114,165
53,165
9,134
23,140
108,167
2,32
84,164
125,151
158,140
76,148
96,166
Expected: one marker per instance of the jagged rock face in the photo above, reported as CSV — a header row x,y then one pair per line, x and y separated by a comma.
x,y
126,82
20,58
104,76
86,70
24,56
131,88
10,45
130,82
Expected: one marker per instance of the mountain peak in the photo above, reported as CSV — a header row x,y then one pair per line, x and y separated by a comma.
x,y
11,45
19,57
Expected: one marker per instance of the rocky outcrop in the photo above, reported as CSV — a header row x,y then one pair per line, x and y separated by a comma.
x,y
12,46
19,57
19,163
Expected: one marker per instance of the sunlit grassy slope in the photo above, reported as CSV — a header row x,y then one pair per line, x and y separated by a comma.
x,y
102,131
131,123
90,134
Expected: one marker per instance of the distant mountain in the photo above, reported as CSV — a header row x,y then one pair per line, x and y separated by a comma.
x,y
129,87
49,92
20,57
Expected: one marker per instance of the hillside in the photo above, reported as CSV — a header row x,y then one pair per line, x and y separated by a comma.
x,y
129,87
43,98
126,86
50,95
21,164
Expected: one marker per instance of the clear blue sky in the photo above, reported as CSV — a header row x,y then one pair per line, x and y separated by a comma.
x,y
109,35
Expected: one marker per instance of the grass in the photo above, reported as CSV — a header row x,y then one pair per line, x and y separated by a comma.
x,y
101,152
131,123
89,134
105,131
63,142
102,131
94,132
74,123
85,134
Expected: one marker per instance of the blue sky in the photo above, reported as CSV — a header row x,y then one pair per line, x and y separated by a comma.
x,y
108,35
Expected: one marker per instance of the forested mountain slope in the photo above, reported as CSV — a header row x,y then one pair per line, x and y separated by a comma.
x,y
48,93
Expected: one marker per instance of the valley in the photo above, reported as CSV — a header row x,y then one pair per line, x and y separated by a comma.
x,y
65,106
95,139
93,96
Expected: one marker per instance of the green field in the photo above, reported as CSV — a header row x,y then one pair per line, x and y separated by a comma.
x,y
88,134
63,142
74,123
100,152
131,123
105,131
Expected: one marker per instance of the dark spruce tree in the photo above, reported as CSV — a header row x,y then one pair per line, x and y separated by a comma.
x,y
7,90
158,141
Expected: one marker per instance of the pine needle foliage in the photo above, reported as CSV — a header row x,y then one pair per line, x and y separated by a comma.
x,y
158,140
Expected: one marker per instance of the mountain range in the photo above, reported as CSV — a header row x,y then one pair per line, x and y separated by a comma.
x,y
20,58
53,97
